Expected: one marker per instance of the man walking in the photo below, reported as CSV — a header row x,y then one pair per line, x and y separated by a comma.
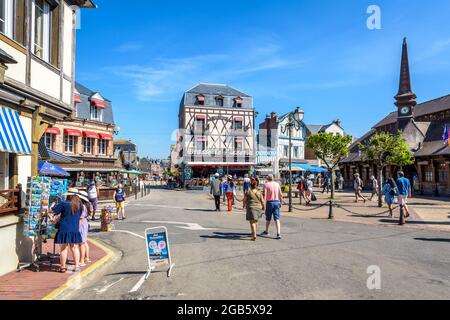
x,y
274,198
374,187
326,184
246,184
403,187
358,186
216,190
92,192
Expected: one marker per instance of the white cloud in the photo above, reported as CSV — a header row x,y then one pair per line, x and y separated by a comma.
x,y
128,47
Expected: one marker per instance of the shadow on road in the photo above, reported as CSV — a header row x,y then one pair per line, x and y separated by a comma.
x,y
127,273
228,236
201,210
433,239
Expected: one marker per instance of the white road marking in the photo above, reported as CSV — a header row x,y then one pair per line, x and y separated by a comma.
x,y
129,232
138,284
105,288
188,225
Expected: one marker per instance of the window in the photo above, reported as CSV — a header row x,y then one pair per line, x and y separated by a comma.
x,y
41,29
48,140
296,155
96,113
201,100
428,175
200,123
69,144
285,151
200,144
102,147
219,101
87,145
6,17
237,125
238,144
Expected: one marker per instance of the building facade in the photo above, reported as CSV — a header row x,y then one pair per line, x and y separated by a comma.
x,y
273,144
422,126
216,132
37,63
129,152
88,138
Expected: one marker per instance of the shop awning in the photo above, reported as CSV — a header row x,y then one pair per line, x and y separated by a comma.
x,y
53,130
12,134
105,136
308,168
73,132
90,134
220,164
76,98
98,103
46,154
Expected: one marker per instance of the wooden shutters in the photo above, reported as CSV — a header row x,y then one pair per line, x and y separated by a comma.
x,y
19,34
54,37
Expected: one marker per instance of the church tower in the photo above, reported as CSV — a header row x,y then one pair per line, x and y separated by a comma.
x,y
405,98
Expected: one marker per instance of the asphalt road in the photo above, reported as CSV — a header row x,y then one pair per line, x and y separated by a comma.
x,y
316,259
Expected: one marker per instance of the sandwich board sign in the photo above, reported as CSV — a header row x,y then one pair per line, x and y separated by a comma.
x,y
158,249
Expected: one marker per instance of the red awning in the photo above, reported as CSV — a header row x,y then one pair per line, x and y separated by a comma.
x,y
90,134
200,116
76,98
98,103
72,132
238,118
201,98
53,130
105,136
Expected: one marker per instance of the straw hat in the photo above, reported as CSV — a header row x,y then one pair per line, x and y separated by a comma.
x,y
75,192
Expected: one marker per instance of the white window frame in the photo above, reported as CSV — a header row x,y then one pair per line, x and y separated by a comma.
x,y
9,18
45,31
87,150
102,147
98,112
48,140
68,138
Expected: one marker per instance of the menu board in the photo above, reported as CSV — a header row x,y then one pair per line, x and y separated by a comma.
x,y
38,199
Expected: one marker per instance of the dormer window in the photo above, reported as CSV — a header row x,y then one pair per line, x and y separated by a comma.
x,y
201,100
238,102
219,101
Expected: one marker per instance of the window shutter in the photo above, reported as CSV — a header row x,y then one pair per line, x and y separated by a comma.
x,y
19,34
54,42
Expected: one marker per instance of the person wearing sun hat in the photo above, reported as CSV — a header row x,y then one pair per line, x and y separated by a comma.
x,y
84,229
68,235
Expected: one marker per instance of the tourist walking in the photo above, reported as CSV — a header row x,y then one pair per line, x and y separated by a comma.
x,y
216,190
84,229
92,192
254,204
326,184
390,192
274,197
340,182
302,189
231,193
374,187
404,188
247,183
358,186
68,236
119,198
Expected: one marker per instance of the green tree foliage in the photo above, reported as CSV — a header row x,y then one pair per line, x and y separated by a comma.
x,y
331,149
386,149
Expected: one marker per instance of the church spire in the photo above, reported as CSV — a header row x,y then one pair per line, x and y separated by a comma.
x,y
405,96
405,100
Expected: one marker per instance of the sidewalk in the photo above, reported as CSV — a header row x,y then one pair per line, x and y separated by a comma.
x,y
425,213
48,284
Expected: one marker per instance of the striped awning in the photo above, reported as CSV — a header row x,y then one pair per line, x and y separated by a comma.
x,y
12,134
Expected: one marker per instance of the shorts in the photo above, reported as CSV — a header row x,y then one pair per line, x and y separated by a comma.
x,y
120,205
273,210
402,200
94,203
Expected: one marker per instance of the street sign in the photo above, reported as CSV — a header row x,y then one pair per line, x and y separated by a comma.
x,y
158,249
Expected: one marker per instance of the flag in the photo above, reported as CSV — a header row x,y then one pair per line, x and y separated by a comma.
x,y
446,136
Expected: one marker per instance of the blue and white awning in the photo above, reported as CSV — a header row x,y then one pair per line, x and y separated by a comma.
x,y
12,135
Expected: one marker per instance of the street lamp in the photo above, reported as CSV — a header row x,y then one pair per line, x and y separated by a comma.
x,y
294,122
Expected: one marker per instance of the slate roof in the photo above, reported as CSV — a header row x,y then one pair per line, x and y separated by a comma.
x,y
83,108
217,89
429,107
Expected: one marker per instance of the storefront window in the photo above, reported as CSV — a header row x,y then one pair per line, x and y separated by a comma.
x,y
428,176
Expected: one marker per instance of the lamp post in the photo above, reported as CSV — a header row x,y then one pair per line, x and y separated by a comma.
x,y
293,122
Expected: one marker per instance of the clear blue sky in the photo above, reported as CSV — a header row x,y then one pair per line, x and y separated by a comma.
x,y
318,54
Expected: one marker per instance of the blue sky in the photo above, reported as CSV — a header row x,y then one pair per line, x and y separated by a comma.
x,y
317,54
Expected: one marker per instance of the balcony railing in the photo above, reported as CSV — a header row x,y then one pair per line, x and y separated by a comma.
x,y
10,200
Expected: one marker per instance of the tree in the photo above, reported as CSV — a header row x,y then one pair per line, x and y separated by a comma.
x,y
331,149
386,149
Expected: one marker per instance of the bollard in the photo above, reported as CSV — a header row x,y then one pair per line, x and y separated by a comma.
x,y
142,192
402,216
330,213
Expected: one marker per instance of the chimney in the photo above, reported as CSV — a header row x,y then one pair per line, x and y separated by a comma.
x,y
273,115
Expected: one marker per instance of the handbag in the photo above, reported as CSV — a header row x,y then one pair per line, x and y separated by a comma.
x,y
313,197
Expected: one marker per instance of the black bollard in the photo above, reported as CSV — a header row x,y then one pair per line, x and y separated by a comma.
x,y
330,213
402,216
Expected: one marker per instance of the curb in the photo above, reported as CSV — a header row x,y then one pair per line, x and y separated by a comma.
x,y
88,271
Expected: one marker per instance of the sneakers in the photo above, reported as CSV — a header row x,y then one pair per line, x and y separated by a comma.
x,y
265,233
278,237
